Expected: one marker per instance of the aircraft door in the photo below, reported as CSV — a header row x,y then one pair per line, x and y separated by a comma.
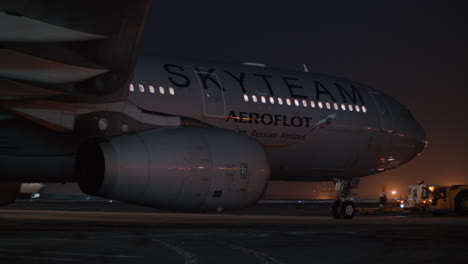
x,y
214,104
386,116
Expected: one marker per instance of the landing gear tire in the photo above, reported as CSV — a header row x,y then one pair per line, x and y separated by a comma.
x,y
334,208
461,204
342,208
347,210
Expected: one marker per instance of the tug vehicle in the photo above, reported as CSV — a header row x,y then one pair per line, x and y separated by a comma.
x,y
448,199
418,196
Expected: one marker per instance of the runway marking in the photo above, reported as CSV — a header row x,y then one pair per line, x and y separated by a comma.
x,y
263,257
189,258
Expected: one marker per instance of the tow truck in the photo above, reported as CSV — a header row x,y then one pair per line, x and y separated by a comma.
x,y
432,198
448,199
418,197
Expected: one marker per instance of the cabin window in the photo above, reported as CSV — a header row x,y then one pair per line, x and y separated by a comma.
x,y
320,105
343,107
304,103
141,88
328,105
132,88
312,104
280,101
335,106
296,102
358,109
254,98
288,101
171,91
272,100
151,89
161,90
246,98
263,99
350,107
364,109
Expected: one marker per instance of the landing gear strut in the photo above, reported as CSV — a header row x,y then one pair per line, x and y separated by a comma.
x,y
342,208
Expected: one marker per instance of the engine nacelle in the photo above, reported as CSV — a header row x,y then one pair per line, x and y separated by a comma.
x,y
192,169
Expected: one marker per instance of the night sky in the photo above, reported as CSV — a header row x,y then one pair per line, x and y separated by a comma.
x,y
415,51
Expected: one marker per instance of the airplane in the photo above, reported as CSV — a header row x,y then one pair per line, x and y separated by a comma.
x,y
80,102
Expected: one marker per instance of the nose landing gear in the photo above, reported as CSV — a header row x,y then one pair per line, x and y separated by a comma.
x,y
342,208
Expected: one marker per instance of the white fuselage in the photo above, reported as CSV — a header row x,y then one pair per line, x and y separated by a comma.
x,y
314,127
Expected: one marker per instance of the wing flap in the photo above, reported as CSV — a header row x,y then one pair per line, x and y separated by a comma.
x,y
24,67
84,49
14,28
12,90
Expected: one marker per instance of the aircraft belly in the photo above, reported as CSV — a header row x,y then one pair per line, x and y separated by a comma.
x,y
321,158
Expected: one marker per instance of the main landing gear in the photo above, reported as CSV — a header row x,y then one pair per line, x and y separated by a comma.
x,y
342,208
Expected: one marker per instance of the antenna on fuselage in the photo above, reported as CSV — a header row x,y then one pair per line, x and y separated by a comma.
x,y
305,68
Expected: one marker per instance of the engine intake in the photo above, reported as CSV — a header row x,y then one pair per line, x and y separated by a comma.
x,y
192,169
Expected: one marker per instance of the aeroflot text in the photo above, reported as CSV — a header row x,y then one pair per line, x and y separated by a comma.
x,y
268,119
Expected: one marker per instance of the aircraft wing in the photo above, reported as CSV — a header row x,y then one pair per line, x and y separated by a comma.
x,y
80,51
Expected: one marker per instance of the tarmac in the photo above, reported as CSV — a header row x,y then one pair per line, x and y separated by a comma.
x,y
103,232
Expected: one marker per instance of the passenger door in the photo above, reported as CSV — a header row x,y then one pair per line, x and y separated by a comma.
x,y
214,104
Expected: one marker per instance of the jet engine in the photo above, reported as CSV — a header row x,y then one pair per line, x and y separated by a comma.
x,y
190,169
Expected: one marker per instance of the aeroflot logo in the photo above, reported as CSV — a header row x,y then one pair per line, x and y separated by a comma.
x,y
269,120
